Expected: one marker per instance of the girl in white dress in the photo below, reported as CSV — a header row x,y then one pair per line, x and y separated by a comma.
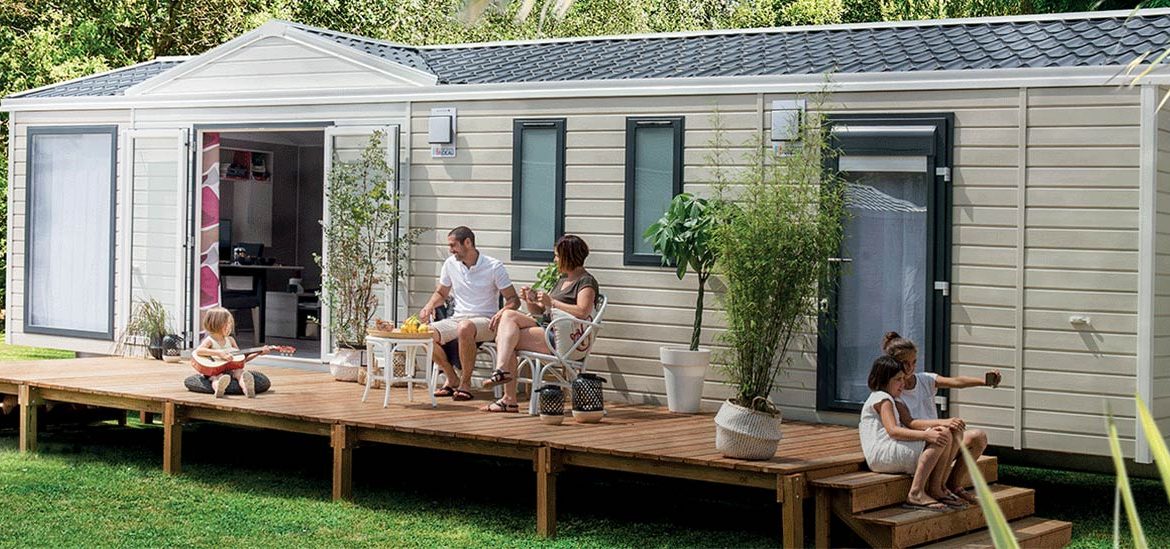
x,y
918,395
891,446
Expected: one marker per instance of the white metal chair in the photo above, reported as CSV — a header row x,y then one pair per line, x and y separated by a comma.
x,y
563,365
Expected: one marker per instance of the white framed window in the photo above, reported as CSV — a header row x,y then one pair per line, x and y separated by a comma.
x,y
69,244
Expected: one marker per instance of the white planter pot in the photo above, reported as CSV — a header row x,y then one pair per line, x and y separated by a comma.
x,y
743,433
346,364
684,372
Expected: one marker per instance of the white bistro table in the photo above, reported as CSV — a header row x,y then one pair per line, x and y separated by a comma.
x,y
385,347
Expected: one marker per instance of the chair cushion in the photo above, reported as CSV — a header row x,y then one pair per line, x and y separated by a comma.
x,y
202,384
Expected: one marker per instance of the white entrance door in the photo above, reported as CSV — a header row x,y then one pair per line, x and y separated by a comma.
x,y
345,144
156,199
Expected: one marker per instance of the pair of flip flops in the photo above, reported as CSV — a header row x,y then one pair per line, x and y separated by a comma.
x,y
454,393
941,505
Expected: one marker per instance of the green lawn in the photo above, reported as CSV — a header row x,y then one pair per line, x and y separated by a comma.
x,y
103,486
14,352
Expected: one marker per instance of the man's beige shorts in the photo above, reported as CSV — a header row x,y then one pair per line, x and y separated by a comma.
x,y
448,328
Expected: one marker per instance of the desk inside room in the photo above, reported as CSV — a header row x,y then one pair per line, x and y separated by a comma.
x,y
246,287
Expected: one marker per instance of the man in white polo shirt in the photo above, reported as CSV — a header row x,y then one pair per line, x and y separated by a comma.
x,y
476,282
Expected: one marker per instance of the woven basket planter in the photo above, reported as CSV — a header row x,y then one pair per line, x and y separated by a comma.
x,y
743,433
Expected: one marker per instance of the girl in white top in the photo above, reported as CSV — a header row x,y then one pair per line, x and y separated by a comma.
x,y
918,396
219,343
891,445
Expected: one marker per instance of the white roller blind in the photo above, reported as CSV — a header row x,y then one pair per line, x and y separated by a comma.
x,y
70,247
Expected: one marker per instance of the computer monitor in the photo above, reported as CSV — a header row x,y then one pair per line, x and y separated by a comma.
x,y
225,239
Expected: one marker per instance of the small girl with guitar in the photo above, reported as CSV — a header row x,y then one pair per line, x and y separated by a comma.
x,y
218,357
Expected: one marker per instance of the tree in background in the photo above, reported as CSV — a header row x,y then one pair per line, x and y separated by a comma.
x,y
47,41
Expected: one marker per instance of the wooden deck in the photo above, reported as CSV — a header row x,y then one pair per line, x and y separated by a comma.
x,y
639,439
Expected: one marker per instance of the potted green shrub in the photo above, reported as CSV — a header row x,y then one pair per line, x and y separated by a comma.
x,y
148,323
684,238
363,250
773,249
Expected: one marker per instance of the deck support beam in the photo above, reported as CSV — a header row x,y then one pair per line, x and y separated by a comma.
x,y
790,495
342,439
547,465
172,439
28,399
823,518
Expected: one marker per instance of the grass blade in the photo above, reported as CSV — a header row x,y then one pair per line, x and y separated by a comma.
x,y
1157,443
1001,532
1153,65
1135,524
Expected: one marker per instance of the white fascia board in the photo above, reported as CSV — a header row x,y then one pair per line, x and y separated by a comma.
x,y
809,83
280,29
103,73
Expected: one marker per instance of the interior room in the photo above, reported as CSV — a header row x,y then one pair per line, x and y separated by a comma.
x,y
271,185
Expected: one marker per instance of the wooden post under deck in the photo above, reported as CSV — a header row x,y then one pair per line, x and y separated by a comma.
x,y
824,517
342,440
547,466
172,440
27,397
790,495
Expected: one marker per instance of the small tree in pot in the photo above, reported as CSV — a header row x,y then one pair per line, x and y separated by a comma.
x,y
773,254
364,252
684,237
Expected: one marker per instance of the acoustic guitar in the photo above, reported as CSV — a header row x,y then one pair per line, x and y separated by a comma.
x,y
213,366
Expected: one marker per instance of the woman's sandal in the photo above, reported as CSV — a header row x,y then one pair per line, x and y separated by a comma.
x,y
500,406
953,501
933,506
498,376
461,395
446,391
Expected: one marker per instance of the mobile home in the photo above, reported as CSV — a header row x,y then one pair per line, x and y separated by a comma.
x,y
1010,194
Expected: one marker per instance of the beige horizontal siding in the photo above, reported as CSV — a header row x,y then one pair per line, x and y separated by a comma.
x,y
1160,393
1081,221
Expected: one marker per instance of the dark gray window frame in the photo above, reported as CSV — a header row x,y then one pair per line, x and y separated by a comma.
x,y
30,234
632,234
518,127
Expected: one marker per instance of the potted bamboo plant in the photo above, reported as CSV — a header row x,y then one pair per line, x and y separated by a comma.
x,y
773,250
147,326
684,238
364,252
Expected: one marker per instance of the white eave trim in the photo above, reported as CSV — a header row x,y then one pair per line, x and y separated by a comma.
x,y
804,83
280,29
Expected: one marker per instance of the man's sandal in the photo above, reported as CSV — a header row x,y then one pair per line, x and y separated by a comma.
x,y
500,406
461,395
446,391
498,376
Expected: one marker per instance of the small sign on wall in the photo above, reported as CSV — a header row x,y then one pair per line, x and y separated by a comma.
x,y
441,132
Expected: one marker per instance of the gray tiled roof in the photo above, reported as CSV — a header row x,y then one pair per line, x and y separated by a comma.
x,y
112,83
1108,39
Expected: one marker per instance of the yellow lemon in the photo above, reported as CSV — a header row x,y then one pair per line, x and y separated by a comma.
x,y
423,328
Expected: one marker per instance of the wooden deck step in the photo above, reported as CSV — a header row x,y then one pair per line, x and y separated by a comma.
x,y
896,526
868,490
1031,532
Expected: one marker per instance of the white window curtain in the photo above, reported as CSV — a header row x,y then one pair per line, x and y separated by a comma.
x,y
538,179
884,287
653,179
70,254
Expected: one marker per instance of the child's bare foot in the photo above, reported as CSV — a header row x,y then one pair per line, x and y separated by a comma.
x,y
221,384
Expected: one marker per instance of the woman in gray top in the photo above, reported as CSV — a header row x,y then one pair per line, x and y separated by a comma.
x,y
574,294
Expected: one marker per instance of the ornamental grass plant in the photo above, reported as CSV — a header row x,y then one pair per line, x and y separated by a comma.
x,y
780,223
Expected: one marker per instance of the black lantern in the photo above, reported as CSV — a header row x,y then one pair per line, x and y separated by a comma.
x,y
552,400
587,393
172,345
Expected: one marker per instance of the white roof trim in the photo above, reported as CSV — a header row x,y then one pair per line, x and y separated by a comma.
x,y
281,29
739,85
806,28
103,73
